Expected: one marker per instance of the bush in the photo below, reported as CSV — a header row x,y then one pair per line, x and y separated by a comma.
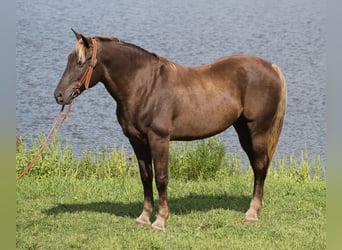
x,y
200,160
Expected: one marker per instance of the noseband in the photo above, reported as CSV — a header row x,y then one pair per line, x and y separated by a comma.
x,y
85,78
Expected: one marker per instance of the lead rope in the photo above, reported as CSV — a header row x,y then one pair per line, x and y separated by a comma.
x,y
85,79
46,142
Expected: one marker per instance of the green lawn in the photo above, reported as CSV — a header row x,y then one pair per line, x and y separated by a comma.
x,y
99,213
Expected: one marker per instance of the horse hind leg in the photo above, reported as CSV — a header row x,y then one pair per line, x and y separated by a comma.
x,y
259,139
254,143
260,162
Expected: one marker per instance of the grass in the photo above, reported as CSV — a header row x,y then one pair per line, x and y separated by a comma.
x,y
61,213
67,208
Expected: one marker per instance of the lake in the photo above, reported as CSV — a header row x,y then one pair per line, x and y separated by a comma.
x,y
289,33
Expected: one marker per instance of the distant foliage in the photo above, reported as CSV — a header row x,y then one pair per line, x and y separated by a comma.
x,y
205,159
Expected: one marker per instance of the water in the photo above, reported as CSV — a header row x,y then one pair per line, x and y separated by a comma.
x,y
289,33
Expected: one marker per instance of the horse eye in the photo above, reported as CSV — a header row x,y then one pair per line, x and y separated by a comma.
x,y
80,63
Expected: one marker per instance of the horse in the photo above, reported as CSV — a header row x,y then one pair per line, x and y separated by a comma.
x,y
159,101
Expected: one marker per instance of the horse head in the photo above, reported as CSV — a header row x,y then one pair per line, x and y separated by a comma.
x,y
78,74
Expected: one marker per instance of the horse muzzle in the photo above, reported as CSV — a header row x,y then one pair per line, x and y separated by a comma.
x,y
65,98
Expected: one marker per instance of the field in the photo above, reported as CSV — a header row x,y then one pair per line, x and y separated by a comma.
x,y
69,209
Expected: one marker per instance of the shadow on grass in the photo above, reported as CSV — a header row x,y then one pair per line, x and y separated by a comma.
x,y
178,206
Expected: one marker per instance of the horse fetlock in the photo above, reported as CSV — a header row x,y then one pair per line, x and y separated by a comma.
x,y
256,204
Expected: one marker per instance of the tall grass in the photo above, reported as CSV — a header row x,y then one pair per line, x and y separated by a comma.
x,y
59,161
203,159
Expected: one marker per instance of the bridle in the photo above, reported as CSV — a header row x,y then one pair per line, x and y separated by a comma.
x,y
85,78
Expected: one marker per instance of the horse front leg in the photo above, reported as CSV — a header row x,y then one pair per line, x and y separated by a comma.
x,y
143,154
160,155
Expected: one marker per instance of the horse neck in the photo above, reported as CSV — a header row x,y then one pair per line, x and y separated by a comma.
x,y
121,66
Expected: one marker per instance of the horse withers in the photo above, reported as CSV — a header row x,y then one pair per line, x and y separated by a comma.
x,y
159,101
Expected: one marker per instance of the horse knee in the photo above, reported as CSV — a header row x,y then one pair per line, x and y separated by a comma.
x,y
161,182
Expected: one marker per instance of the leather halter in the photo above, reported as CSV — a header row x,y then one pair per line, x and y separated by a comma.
x,y
85,78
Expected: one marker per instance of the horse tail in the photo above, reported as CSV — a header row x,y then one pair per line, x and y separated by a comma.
x,y
278,119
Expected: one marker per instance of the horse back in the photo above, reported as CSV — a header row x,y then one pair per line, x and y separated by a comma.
x,y
206,100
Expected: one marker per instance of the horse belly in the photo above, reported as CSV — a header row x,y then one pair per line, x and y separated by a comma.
x,y
201,121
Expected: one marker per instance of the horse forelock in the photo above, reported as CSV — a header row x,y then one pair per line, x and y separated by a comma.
x,y
79,50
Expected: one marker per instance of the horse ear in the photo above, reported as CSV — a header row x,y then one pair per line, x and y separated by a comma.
x,y
80,36
77,35
85,41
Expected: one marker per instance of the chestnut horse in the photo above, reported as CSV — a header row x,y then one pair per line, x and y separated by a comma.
x,y
159,101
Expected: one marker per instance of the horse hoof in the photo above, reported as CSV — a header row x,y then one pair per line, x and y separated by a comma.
x,y
142,221
250,219
158,225
251,216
